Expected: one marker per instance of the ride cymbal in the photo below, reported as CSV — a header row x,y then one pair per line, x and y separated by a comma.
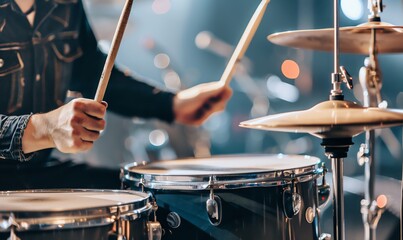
x,y
329,119
355,39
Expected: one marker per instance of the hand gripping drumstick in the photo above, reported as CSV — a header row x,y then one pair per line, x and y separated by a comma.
x,y
244,42
110,60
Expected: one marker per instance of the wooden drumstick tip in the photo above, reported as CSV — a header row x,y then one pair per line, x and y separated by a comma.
x,y
110,60
244,42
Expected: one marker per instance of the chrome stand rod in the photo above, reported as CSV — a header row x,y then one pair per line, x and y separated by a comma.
x,y
371,83
367,213
336,36
338,199
336,92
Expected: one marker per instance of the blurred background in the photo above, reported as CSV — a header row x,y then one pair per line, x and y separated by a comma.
x,y
180,43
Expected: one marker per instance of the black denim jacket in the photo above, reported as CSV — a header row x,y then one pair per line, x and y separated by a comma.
x,y
40,63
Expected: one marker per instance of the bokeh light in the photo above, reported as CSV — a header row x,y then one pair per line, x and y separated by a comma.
x,y
353,9
290,69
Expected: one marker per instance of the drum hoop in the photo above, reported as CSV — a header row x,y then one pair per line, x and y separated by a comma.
x,y
77,218
220,181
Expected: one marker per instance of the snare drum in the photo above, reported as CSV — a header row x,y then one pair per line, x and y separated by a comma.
x,y
74,214
233,197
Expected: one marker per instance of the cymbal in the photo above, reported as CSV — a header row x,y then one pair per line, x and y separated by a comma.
x,y
354,39
329,119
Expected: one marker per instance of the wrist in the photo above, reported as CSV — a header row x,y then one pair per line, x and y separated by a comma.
x,y
36,134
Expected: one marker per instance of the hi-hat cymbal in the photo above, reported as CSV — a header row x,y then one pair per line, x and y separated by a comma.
x,y
355,39
329,119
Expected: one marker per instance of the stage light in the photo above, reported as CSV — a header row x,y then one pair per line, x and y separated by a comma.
x,y
353,9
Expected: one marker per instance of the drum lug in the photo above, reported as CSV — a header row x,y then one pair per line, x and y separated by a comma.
x,y
214,210
154,231
324,189
292,202
154,227
214,207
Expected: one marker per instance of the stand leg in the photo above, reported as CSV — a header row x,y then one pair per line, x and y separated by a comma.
x,y
338,199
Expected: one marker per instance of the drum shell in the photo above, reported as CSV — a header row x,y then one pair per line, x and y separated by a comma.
x,y
247,213
132,230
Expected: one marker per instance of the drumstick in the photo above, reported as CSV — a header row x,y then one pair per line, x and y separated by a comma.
x,y
244,42
110,60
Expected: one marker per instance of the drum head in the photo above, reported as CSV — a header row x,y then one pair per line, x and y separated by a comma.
x,y
56,209
222,169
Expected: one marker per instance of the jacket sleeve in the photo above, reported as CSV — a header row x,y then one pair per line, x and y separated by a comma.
x,y
11,132
125,95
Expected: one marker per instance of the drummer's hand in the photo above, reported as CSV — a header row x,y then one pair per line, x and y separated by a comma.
x,y
70,128
194,105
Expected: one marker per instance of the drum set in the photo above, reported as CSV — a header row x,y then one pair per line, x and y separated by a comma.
x,y
240,196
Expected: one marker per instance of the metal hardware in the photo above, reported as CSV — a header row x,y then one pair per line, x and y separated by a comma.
x,y
371,214
363,154
346,77
371,81
214,206
154,231
375,7
292,202
76,218
309,215
173,220
336,92
324,189
336,150
141,184
154,227
325,236
338,198
311,170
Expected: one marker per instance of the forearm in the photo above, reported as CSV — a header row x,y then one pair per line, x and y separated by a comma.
x,y
11,133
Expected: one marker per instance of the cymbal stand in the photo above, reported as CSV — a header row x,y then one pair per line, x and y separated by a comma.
x,y
336,149
371,82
